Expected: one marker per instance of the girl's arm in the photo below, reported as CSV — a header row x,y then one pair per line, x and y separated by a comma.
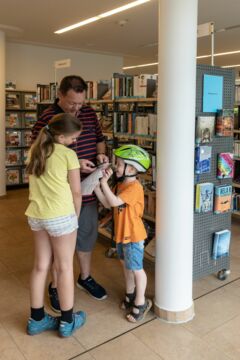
x,y
101,197
75,186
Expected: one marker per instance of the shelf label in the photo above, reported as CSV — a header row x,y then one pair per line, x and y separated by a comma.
x,y
59,64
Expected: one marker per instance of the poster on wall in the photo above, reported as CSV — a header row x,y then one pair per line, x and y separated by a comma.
x,y
212,93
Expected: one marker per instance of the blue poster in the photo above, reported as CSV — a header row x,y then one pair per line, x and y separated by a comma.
x,y
212,93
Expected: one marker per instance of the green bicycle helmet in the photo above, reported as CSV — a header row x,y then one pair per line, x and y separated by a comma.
x,y
135,156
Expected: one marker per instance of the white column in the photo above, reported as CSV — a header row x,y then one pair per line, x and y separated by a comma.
x,y
175,159
2,115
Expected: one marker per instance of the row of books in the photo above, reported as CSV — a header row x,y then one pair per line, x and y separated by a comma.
x,y
132,123
225,162
46,92
236,148
208,126
20,120
99,90
142,86
236,202
209,198
16,176
21,100
16,156
150,203
18,138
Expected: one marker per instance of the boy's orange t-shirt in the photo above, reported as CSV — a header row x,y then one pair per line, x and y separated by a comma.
x,y
128,224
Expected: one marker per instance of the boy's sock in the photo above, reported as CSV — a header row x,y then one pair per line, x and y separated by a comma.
x,y
67,316
37,314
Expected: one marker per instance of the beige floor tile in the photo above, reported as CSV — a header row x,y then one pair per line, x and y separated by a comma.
x,y
174,342
126,347
212,311
226,338
85,356
8,349
47,346
105,325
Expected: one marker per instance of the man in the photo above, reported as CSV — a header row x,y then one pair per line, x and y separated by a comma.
x,y
90,149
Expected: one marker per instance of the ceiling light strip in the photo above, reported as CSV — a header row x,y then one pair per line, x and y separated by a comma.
x,y
101,16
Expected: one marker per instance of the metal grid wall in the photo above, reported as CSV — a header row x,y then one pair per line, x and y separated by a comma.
x,y
206,224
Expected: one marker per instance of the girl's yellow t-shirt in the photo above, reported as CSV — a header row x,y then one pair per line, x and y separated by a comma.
x,y
128,224
50,194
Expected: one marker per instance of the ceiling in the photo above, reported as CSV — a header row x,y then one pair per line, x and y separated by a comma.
x,y
136,40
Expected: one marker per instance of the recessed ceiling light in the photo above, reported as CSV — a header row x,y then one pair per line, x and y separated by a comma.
x,y
101,16
230,66
138,66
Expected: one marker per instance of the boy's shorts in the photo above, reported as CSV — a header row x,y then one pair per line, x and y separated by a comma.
x,y
132,254
55,227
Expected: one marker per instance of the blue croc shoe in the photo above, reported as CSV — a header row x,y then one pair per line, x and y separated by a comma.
x,y
67,329
47,323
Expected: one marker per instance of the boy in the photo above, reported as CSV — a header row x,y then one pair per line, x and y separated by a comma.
x,y
128,203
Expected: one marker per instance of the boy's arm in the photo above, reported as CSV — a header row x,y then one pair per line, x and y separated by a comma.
x,y
75,186
101,197
112,199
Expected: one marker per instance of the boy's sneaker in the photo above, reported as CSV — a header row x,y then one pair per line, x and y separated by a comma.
x,y
53,297
67,329
47,323
92,287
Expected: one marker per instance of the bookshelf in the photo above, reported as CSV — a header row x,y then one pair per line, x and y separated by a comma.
x,y
20,118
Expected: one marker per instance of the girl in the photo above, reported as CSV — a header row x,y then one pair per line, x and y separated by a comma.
x,y
128,203
55,203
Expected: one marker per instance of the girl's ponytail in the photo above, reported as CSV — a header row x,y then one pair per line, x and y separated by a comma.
x,y
40,151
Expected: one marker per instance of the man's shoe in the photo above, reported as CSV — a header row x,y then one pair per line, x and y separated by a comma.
x,y
67,329
92,287
53,297
47,323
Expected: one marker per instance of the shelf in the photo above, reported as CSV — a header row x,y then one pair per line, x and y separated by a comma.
x,y
109,101
237,185
105,233
236,158
135,137
108,134
126,100
235,212
236,131
148,217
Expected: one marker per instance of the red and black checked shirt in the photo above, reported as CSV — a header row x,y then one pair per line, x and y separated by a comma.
x,y
85,146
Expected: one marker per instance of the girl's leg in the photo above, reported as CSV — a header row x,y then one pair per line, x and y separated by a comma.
x,y
63,251
42,263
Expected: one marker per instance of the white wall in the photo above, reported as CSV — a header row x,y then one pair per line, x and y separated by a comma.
x,y
30,64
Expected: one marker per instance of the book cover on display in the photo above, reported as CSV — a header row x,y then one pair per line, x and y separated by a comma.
x,y
212,92
221,244
27,138
205,127
13,138
225,122
204,198
203,159
225,166
222,199
13,120
13,157
29,119
12,176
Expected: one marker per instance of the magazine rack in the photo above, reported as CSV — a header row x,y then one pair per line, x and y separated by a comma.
x,y
205,225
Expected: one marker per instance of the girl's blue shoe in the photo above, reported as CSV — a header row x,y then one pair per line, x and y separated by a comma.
x,y
67,329
47,323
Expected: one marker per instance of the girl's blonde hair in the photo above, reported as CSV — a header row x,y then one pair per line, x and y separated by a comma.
x,y
61,124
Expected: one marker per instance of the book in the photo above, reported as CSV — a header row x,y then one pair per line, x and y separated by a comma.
x,y
205,126
204,198
12,176
29,119
25,176
212,92
225,122
30,101
225,166
27,138
222,199
13,157
13,100
221,244
13,138
13,120
203,159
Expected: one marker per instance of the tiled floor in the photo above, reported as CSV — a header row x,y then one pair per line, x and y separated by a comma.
x,y
213,334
